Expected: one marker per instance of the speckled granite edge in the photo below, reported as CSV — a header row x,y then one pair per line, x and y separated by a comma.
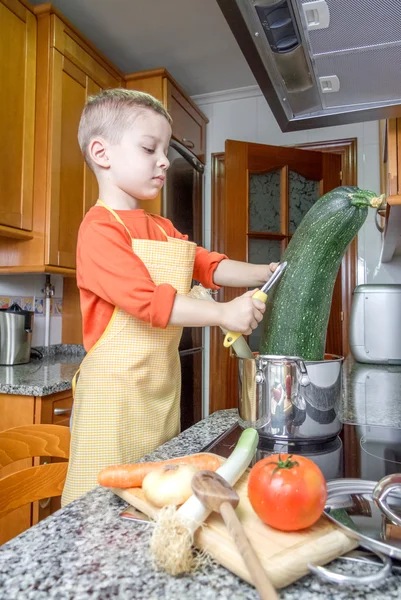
x,y
43,376
87,552
32,390
64,349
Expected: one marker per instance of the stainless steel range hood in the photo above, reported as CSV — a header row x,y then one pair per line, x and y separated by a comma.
x,y
322,62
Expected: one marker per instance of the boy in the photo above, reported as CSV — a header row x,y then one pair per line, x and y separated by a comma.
x,y
134,271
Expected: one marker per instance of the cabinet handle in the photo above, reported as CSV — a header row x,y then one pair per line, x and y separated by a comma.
x,y
188,143
61,411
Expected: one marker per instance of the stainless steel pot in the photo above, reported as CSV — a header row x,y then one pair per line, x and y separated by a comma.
x,y
286,398
15,335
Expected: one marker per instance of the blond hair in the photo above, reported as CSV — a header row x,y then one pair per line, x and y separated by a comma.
x,y
109,113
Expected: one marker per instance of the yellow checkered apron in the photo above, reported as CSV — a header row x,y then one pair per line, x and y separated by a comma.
x,y
127,398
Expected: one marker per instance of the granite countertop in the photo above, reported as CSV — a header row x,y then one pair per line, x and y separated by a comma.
x,y
85,551
41,377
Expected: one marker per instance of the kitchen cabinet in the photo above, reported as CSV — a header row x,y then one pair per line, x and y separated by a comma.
x,y
189,123
17,118
68,70
388,220
72,188
28,410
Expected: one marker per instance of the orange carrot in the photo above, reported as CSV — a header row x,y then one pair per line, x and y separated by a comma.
x,y
129,476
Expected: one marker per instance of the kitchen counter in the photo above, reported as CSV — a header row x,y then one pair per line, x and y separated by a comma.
x,y
41,377
85,551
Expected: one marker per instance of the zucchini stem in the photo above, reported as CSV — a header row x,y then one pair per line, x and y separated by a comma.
x,y
366,198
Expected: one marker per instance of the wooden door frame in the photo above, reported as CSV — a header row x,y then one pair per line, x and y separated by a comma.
x,y
219,399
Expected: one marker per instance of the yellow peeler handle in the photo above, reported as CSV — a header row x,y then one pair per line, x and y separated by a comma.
x,y
232,336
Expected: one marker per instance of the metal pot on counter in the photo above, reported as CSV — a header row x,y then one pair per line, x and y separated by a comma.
x,y
289,399
15,335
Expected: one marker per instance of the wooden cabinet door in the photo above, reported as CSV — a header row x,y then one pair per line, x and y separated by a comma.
x,y
77,71
17,113
73,187
15,411
254,177
55,409
189,128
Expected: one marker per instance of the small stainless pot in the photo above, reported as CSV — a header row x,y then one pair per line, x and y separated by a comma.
x,y
15,335
286,398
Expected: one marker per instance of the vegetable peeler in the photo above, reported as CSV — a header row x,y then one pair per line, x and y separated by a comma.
x,y
232,336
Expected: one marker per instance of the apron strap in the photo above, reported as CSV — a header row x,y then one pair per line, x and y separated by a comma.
x,y
74,382
122,222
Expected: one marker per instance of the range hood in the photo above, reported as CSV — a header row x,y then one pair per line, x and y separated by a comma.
x,y
322,62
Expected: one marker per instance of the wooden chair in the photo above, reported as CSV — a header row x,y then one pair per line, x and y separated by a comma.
x,y
38,482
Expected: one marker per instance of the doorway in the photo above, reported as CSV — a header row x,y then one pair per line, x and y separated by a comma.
x,y
237,173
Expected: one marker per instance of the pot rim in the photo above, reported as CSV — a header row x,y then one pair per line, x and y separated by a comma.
x,y
282,357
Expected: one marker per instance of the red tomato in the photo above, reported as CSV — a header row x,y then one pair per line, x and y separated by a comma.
x,y
287,492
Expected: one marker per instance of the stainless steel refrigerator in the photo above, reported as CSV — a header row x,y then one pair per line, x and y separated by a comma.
x,y
183,205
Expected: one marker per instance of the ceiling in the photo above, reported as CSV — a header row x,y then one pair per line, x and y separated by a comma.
x,y
190,38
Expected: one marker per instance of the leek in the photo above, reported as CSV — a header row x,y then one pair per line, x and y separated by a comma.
x,y
239,460
173,535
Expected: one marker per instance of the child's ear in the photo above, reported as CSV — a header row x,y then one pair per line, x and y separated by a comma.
x,y
98,151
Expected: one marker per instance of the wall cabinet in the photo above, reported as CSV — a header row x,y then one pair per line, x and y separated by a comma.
x,y
28,410
72,188
68,69
45,186
17,118
189,123
49,70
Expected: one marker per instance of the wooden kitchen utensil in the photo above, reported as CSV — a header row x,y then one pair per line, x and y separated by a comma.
x,y
285,556
217,495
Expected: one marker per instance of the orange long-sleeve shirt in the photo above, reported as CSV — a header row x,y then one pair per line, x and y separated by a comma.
x,y
109,273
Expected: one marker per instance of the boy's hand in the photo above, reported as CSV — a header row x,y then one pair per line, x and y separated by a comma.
x,y
272,268
243,313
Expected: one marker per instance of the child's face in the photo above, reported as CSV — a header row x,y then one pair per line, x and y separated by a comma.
x,y
138,163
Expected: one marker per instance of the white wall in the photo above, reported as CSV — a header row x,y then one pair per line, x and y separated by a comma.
x,y
244,115
26,289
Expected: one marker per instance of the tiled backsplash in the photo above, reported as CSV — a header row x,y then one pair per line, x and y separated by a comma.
x,y
26,290
27,303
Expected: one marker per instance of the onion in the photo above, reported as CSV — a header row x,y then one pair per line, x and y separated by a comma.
x,y
169,485
173,535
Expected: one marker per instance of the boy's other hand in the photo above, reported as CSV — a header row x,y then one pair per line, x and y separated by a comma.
x,y
243,313
272,268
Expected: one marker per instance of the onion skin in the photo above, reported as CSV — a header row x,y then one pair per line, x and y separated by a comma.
x,y
169,485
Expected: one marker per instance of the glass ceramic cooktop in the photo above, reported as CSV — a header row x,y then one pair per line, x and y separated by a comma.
x,y
360,451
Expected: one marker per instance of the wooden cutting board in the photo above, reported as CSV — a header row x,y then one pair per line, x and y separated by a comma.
x,y
284,556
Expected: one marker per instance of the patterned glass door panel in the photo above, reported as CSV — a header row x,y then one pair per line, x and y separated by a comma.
x,y
278,201
262,251
264,201
302,194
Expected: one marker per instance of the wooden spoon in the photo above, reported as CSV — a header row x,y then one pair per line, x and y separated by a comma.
x,y
217,495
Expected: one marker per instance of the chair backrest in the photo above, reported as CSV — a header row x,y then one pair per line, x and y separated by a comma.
x,y
38,482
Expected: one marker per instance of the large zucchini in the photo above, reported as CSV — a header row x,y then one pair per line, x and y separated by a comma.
x,y
298,307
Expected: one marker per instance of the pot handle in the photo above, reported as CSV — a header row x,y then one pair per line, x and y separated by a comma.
x,y
355,580
304,377
382,490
